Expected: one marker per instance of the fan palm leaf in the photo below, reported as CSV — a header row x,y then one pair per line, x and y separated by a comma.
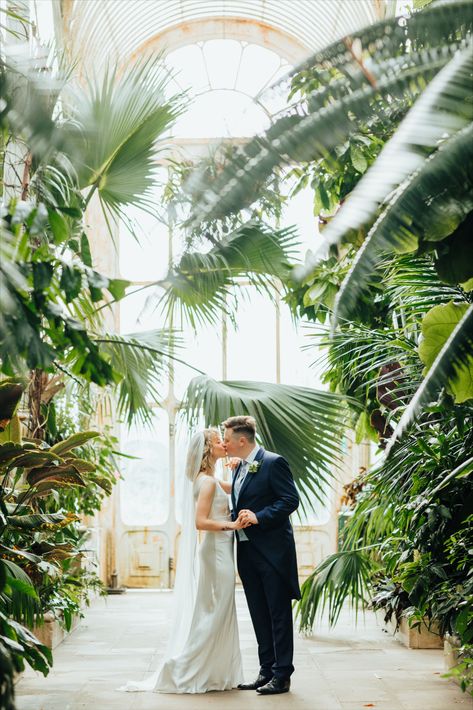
x,y
429,205
200,284
120,122
303,425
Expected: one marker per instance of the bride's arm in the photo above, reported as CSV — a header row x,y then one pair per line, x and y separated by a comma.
x,y
227,487
202,512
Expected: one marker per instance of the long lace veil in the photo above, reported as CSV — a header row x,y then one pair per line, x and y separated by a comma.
x,y
187,575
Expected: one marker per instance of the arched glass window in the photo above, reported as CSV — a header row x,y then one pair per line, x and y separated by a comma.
x,y
226,79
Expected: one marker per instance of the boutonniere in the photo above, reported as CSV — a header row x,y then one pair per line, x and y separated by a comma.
x,y
254,466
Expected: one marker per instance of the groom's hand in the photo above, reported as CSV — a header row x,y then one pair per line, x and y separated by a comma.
x,y
248,517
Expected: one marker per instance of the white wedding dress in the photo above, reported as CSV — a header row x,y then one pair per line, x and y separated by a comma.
x,y
208,655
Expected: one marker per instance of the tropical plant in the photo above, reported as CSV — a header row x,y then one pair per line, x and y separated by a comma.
x,y
289,420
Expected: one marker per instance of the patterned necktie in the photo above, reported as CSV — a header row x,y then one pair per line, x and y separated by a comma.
x,y
240,478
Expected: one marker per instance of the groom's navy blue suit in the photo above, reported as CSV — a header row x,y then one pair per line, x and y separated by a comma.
x,y
267,562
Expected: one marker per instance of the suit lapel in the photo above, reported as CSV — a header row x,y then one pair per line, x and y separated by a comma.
x,y
249,476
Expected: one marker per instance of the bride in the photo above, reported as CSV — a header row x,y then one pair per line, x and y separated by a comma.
x,y
204,650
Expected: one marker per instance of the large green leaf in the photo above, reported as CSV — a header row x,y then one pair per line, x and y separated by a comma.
x,y
73,442
437,327
62,475
304,425
11,391
449,363
41,521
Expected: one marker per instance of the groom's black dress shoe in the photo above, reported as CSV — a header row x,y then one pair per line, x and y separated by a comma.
x,y
275,686
261,680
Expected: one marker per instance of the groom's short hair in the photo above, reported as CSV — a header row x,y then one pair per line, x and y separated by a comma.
x,y
243,425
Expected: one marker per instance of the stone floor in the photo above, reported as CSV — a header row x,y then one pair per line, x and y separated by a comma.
x,y
346,668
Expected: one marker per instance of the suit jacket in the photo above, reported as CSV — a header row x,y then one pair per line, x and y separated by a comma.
x,y
271,494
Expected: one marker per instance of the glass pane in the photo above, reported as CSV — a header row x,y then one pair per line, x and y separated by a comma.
x,y
251,349
140,311
222,57
203,350
145,255
144,492
257,67
296,360
221,114
187,66
320,514
299,211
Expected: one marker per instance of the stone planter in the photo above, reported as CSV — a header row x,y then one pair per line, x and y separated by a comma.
x,y
418,637
51,633
451,654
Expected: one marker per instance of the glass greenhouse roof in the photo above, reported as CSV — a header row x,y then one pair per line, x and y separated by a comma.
x,y
113,30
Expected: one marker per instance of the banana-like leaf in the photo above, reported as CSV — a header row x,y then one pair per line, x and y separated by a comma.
x,y
73,442
41,521
10,394
200,283
32,459
81,465
9,451
428,205
343,576
62,475
456,351
303,425
18,554
121,120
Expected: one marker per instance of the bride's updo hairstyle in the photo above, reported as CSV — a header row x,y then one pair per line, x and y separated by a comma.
x,y
199,455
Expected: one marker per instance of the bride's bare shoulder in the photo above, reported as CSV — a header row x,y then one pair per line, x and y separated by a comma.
x,y
203,480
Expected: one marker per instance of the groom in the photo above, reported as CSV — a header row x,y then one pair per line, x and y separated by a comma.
x,y
264,495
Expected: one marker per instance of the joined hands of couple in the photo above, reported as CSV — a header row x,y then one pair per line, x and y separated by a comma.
x,y
246,518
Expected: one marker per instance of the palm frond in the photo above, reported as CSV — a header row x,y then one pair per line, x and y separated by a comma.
x,y
455,355
358,355
334,113
343,576
304,425
142,360
121,120
428,205
200,284
413,287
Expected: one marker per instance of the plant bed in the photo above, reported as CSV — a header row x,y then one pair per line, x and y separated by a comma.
x,y
458,662
419,636
51,633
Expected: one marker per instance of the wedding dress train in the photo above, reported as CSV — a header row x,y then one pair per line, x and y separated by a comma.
x,y
209,657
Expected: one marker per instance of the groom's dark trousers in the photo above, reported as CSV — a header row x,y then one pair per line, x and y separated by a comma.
x,y
267,562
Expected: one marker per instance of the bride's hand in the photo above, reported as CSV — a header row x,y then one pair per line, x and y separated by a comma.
x,y
240,523
232,463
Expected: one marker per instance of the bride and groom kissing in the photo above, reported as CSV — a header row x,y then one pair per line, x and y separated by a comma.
x,y
203,653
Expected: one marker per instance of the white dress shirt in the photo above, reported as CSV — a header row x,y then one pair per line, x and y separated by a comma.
x,y
242,473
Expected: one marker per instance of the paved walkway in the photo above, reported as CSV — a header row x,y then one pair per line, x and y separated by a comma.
x,y
346,668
